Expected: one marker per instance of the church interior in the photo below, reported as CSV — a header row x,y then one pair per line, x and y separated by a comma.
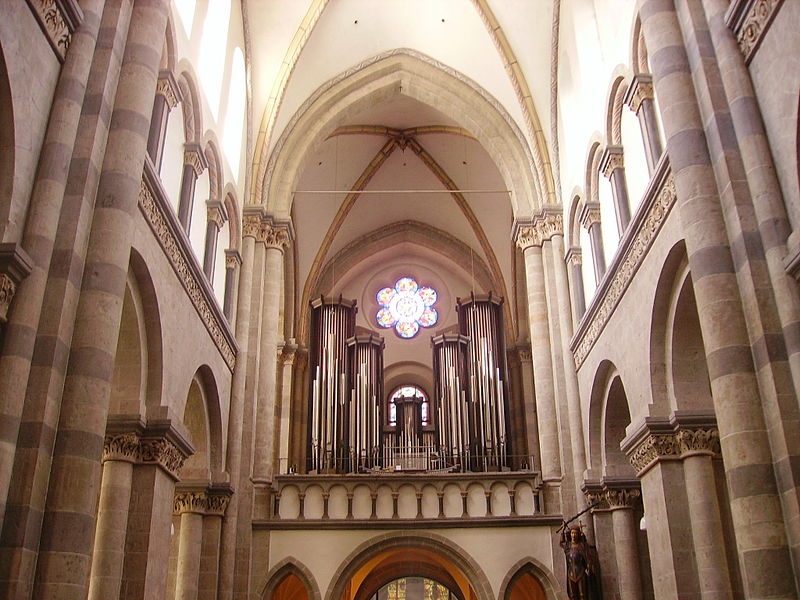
x,y
399,299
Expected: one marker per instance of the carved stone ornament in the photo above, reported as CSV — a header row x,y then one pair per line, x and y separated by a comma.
x,y
525,354
574,256
655,446
190,502
622,276
7,290
59,19
755,24
704,441
543,227
122,447
166,87
612,159
641,89
596,497
157,219
621,498
590,215
195,159
251,226
216,504
162,452
274,236
216,216
232,259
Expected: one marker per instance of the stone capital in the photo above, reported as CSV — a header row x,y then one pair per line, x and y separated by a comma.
x,y
122,447
190,502
217,503
272,235
574,256
548,223
168,88
15,265
617,498
699,441
682,435
193,156
524,353
232,258
164,453
611,160
216,213
640,89
590,215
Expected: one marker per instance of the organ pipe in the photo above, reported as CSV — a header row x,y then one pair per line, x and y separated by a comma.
x,y
332,323
481,320
451,399
364,405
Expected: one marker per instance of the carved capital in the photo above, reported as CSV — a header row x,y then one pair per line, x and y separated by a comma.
x,y
612,159
525,354
162,452
274,236
526,237
122,447
590,214
699,441
216,214
168,88
217,504
641,89
544,226
654,447
251,226
193,156
232,258
621,497
190,502
15,265
574,256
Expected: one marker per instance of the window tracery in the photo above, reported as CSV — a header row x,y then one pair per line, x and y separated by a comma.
x,y
406,307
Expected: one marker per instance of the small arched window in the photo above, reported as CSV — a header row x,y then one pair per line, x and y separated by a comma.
x,y
409,391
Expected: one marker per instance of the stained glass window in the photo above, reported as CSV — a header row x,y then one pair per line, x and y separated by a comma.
x,y
409,391
406,307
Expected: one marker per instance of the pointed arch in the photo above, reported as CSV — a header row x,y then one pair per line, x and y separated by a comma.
x,y
530,566
407,72
290,566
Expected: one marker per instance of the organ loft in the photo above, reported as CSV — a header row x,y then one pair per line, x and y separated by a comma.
x,y
399,299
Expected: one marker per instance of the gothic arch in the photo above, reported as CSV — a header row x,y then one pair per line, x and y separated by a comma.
x,y
407,72
290,566
538,571
435,543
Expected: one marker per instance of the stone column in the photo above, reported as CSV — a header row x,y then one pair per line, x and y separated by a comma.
x,y
168,95
63,570
574,259
529,403
763,547
590,220
38,239
233,261
194,163
162,453
640,100
529,241
191,506
120,453
250,229
217,215
288,355
698,448
216,502
612,166
623,521
276,238
604,535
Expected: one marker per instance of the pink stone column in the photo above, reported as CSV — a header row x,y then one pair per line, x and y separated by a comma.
x,y
639,98
120,453
612,166
590,220
66,544
168,95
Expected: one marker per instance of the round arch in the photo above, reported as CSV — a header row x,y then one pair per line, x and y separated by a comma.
x,y
410,73
534,568
290,566
439,545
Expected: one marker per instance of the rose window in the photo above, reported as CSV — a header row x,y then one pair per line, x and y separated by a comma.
x,y
407,307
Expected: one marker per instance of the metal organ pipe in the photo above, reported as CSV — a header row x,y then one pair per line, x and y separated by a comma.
x,y
365,366
481,321
332,323
451,398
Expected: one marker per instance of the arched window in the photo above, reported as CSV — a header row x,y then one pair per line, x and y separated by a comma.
x,y
413,588
409,391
